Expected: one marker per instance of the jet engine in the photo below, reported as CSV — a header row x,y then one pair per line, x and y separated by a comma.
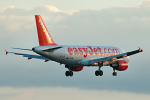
x,y
120,65
74,68
77,68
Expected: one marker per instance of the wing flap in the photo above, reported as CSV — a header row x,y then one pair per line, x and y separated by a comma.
x,y
115,56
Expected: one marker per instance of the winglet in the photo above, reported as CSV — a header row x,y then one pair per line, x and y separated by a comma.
x,y
6,52
140,50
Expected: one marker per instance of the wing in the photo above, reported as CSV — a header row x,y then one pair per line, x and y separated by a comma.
x,y
115,56
29,56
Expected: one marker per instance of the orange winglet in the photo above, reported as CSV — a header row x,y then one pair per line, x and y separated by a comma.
x,y
140,49
6,52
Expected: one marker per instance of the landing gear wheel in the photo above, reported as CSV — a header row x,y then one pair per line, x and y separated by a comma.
x,y
114,73
101,73
67,73
97,73
71,73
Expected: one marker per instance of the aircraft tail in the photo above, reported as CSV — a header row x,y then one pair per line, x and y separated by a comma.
x,y
43,34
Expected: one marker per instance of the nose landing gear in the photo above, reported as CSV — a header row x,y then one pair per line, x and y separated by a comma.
x,y
114,73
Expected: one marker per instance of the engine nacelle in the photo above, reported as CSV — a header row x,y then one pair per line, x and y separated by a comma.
x,y
74,68
120,65
77,68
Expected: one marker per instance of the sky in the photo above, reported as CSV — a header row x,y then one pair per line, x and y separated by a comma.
x,y
124,24
71,4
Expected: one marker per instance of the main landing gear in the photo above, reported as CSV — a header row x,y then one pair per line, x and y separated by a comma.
x,y
99,72
70,72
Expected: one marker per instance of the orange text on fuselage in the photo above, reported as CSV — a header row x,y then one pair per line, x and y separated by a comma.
x,y
93,51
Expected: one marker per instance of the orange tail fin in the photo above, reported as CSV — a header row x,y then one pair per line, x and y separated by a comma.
x,y
43,34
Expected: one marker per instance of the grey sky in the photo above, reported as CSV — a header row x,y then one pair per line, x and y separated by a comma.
x,y
71,4
126,27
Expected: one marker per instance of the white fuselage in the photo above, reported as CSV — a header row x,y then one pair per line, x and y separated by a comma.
x,y
75,55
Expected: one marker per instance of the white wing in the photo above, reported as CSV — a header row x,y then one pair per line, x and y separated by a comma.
x,y
91,61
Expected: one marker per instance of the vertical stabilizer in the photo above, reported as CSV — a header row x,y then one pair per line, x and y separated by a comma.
x,y
43,34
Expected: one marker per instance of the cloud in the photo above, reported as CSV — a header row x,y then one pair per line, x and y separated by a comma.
x,y
56,10
47,93
51,8
8,8
13,10
13,17
145,3
14,22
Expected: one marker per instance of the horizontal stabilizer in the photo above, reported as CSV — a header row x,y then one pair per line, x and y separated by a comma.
x,y
29,56
22,49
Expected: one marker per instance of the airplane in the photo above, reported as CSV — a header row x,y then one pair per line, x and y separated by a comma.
x,y
76,57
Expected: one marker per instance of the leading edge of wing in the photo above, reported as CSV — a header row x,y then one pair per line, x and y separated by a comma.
x,y
116,56
29,56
